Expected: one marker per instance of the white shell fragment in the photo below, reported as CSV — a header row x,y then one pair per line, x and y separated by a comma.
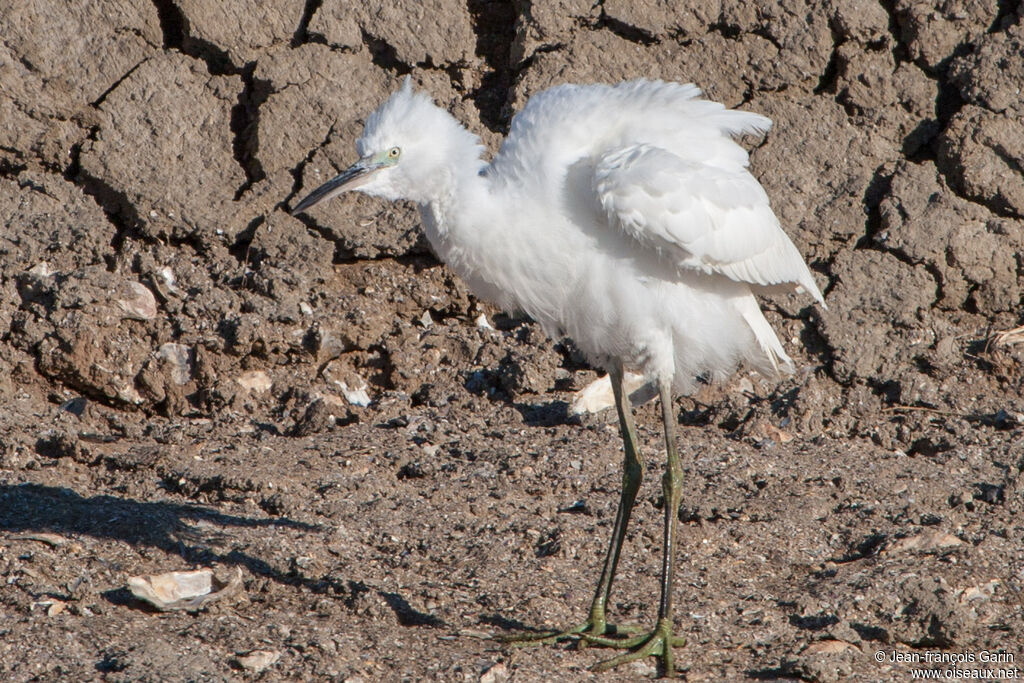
x,y
183,590
925,541
53,606
598,395
495,674
829,647
255,380
483,323
52,540
352,386
140,304
167,280
357,395
179,356
258,660
41,269
125,392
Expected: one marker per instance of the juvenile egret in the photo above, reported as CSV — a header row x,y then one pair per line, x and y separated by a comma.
x,y
621,216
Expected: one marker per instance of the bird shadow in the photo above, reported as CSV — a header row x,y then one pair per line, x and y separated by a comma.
x,y
769,674
506,624
488,383
36,508
548,414
29,508
406,614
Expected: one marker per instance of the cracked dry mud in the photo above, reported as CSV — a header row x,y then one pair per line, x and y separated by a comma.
x,y
175,350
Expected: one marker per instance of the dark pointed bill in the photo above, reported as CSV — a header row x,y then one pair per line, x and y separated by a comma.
x,y
350,179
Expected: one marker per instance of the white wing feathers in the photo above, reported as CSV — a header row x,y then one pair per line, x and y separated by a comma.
x,y
705,217
764,334
661,164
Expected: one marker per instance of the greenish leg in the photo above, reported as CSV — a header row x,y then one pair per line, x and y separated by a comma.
x,y
660,641
597,624
632,475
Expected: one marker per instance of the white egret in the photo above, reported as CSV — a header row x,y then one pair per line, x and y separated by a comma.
x,y
623,217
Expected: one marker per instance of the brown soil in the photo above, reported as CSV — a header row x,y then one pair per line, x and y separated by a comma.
x,y
173,344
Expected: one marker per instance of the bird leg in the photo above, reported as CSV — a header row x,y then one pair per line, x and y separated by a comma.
x,y
660,641
632,475
597,624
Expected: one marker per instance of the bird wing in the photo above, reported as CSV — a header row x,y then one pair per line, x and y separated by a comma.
x,y
714,219
566,123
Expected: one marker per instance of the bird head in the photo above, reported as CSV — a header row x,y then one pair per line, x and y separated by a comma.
x,y
407,151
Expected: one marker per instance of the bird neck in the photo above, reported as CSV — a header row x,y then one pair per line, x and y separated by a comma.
x,y
448,183
451,197
455,216
451,186
454,199
446,164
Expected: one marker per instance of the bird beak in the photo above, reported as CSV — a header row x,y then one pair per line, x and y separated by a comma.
x,y
357,175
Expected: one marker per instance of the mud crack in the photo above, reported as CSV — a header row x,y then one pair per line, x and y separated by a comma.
x,y
301,35
495,26
177,36
245,120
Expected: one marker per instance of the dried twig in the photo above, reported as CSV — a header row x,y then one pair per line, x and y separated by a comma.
x,y
1009,337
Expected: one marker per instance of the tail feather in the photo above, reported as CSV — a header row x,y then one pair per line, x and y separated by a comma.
x,y
777,359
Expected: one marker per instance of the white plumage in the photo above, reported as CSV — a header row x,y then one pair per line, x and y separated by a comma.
x,y
621,216
643,186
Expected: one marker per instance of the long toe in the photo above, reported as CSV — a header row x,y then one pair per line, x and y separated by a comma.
x,y
585,632
657,643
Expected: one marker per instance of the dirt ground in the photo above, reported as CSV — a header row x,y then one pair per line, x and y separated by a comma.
x,y
178,353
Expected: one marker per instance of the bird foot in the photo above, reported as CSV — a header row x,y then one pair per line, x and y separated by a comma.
x,y
588,632
657,643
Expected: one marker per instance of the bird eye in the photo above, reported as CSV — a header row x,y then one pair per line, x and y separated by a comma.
x,y
394,153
